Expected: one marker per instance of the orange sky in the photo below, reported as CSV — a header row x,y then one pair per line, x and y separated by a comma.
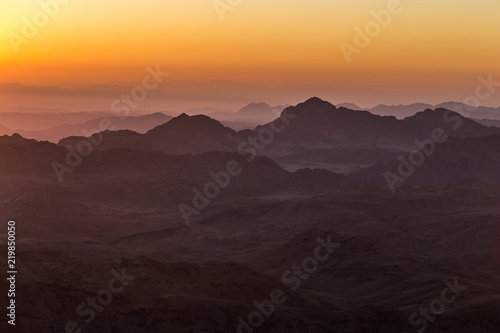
x,y
427,48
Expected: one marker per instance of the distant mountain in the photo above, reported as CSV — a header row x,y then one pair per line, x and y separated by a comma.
x,y
110,140
17,88
139,124
423,122
343,140
257,113
181,135
351,106
4,130
488,122
207,111
400,111
472,112
192,134
39,119
319,122
316,135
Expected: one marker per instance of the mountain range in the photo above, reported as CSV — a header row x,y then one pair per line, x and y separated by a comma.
x,y
117,205
317,135
402,111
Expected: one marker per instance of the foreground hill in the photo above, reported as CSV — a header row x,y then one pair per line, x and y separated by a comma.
x,y
27,156
132,181
119,209
364,285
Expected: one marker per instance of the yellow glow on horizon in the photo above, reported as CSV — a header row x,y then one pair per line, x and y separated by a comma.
x,y
98,41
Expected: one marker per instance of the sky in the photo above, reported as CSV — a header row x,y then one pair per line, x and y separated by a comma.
x,y
425,51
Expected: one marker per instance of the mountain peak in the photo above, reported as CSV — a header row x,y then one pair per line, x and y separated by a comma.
x,y
15,138
315,104
316,100
184,122
255,108
350,106
257,104
432,114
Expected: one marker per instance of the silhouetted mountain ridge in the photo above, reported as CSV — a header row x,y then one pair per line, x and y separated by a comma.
x,y
313,134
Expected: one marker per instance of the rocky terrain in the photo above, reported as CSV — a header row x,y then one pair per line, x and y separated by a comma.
x,y
104,245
